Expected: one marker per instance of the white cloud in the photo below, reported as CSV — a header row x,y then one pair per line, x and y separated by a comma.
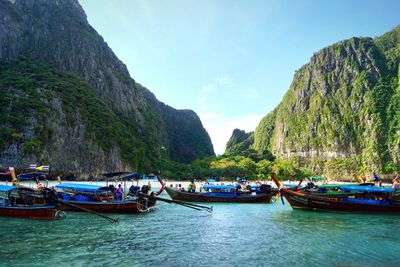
x,y
225,80
209,88
202,102
220,127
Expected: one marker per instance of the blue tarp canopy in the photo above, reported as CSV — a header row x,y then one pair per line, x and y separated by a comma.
x,y
290,185
131,176
215,186
32,175
7,188
318,178
368,189
211,180
154,178
81,187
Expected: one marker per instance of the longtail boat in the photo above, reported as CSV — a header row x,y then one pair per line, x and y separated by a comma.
x,y
365,200
22,202
101,198
225,193
347,198
94,198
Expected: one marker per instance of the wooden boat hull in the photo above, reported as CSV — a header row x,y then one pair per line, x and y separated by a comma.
x,y
300,200
203,197
30,212
108,207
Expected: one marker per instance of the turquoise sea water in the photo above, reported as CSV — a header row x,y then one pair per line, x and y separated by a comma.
x,y
233,235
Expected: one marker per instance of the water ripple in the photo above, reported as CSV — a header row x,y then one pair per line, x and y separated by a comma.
x,y
234,234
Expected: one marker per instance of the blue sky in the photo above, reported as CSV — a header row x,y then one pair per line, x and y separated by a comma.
x,y
230,61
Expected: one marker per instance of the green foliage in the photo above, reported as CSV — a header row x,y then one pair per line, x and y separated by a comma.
x,y
345,101
32,145
239,141
27,87
391,167
228,167
264,132
288,169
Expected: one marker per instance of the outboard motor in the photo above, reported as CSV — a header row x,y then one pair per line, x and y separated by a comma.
x,y
134,189
111,187
147,190
310,185
265,188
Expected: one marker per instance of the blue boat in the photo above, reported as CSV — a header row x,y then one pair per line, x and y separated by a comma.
x,y
101,199
226,193
371,189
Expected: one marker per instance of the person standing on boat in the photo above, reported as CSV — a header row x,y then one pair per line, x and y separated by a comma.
x,y
376,179
181,188
396,183
119,192
193,186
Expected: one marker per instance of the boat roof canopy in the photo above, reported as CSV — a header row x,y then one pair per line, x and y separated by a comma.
x,y
368,189
291,185
131,176
318,178
217,186
31,175
7,188
81,187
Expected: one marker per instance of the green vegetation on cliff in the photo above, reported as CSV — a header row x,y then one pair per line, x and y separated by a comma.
x,y
28,87
341,114
69,102
248,164
239,141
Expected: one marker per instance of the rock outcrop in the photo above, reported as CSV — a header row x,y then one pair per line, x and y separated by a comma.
x,y
239,141
75,77
343,104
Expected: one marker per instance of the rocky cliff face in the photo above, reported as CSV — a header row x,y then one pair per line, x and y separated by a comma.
x,y
239,141
343,104
100,119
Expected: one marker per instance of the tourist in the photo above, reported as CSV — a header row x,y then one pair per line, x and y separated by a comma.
x,y
189,187
396,183
238,187
119,192
376,179
181,188
193,186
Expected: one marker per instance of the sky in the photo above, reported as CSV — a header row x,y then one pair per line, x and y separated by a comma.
x,y
231,61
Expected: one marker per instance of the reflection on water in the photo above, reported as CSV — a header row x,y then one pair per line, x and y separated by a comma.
x,y
234,234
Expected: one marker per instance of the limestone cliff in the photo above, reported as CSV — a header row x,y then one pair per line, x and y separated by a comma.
x,y
239,141
82,111
343,104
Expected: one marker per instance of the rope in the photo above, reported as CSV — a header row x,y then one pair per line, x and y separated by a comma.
x,y
60,215
139,205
